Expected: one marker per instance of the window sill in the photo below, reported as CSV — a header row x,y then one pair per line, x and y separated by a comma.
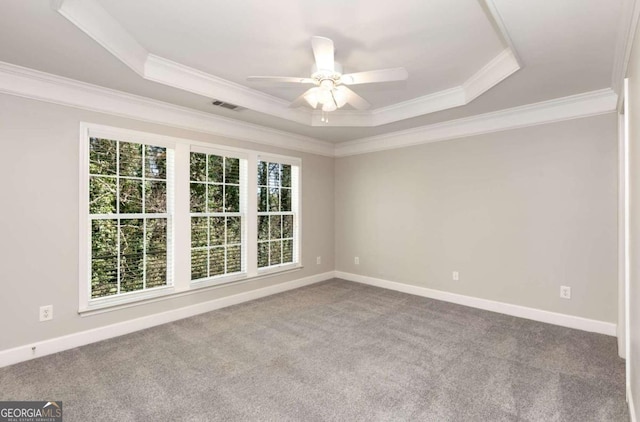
x,y
169,292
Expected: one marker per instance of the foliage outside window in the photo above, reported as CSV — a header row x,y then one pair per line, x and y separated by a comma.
x,y
162,216
216,217
275,214
129,220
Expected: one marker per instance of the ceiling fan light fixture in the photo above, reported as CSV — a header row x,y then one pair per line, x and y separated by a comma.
x,y
312,97
330,106
340,96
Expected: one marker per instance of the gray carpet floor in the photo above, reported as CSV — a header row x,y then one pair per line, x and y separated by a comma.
x,y
335,351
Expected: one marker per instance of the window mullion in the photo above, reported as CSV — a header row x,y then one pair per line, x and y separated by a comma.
x,y
251,212
182,219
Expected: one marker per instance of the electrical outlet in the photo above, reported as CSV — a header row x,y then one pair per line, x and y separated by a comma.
x,y
565,292
356,260
46,313
455,276
319,260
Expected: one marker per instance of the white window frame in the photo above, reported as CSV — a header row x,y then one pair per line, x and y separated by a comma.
x,y
180,244
244,179
296,182
88,131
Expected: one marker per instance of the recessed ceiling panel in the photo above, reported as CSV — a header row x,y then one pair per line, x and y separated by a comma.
x,y
440,42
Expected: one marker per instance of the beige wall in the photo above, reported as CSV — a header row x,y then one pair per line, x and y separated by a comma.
x,y
517,213
39,224
633,99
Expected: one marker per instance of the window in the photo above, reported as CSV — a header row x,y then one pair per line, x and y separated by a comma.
x,y
276,214
162,216
129,216
217,215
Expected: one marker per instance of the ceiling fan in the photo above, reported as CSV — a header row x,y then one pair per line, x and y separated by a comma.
x,y
330,91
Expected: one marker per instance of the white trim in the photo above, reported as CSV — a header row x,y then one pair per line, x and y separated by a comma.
x,y
622,234
502,27
29,83
632,407
488,305
627,247
501,67
97,23
627,29
58,344
93,20
566,108
166,72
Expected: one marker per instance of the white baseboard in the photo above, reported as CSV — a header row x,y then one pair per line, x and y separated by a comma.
x,y
489,305
58,344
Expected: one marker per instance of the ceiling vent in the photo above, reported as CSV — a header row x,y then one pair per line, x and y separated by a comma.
x,y
229,106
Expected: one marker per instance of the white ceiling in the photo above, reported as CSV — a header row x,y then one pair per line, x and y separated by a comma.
x,y
565,47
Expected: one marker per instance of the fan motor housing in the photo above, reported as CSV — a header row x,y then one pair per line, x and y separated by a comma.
x,y
321,74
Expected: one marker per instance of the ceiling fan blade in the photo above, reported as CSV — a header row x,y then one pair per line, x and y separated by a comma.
x,y
354,99
323,52
382,75
302,100
281,79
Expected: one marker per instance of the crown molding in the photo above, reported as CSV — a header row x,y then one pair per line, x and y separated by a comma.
x,y
494,72
502,66
167,72
566,108
627,28
94,21
33,84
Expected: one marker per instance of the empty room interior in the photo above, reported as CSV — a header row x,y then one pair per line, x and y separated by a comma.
x,y
320,211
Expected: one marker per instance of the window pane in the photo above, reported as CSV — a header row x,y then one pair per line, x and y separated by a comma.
x,y
102,156
275,252
199,232
285,199
217,231
155,197
156,235
131,255
275,227
156,269
199,259
130,159
233,230
287,251
232,170
263,254
198,197
216,261
130,196
263,227
104,258
232,198
286,175
215,198
287,226
274,174
198,167
234,259
102,195
262,199
155,166
274,199
215,169
262,173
